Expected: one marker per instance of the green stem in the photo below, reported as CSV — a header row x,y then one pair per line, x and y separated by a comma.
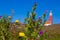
x,y
3,37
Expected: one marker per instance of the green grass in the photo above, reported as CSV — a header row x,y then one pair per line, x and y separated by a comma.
x,y
55,37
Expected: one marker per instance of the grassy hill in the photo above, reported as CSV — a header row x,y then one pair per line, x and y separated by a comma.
x,y
53,30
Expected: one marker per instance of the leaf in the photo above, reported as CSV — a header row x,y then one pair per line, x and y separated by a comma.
x,y
43,16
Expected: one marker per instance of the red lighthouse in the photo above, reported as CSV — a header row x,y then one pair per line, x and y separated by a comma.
x,y
50,17
49,22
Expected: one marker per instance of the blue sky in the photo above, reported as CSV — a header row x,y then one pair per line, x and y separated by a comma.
x,y
22,6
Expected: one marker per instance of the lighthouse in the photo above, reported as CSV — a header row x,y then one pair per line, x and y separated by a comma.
x,y
49,22
50,17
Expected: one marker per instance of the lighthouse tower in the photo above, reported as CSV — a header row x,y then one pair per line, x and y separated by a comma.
x,y
50,17
49,22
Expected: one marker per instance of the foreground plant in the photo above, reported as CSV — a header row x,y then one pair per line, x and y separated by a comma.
x,y
33,26
4,28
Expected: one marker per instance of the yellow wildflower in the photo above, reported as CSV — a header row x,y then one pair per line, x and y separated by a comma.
x,y
17,21
21,34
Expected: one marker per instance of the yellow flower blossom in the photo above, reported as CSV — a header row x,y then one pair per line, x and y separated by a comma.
x,y
17,21
21,34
